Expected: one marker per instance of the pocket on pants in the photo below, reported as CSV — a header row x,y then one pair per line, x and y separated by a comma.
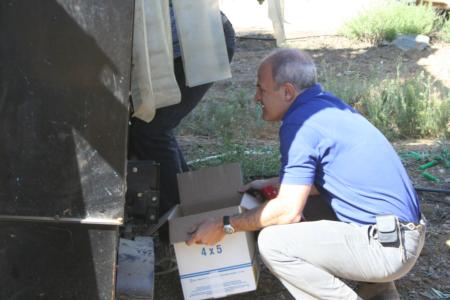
x,y
413,243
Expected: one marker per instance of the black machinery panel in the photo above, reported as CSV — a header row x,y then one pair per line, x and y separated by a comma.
x,y
65,76
142,197
57,261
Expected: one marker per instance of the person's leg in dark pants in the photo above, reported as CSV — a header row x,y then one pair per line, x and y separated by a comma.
x,y
156,140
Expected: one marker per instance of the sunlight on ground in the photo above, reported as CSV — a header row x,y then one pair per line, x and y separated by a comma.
x,y
421,142
433,64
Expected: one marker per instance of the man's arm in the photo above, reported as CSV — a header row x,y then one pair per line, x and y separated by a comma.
x,y
286,208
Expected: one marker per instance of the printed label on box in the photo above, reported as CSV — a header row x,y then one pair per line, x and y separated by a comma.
x,y
216,271
219,283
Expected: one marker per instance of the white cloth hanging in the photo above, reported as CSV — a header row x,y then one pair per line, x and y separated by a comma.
x,y
276,15
153,59
141,84
202,41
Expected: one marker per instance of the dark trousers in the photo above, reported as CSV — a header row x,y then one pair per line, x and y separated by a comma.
x,y
156,140
317,208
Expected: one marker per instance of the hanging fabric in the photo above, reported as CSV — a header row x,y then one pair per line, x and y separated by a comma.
x,y
202,41
276,15
153,36
141,84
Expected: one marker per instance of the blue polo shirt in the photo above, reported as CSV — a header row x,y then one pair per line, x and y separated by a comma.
x,y
324,141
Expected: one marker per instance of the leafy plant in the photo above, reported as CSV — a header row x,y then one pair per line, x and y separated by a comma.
x,y
227,118
392,18
409,109
400,108
256,161
445,31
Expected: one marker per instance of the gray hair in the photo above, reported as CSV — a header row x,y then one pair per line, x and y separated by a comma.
x,y
292,66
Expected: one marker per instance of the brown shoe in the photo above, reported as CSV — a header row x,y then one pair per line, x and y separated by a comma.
x,y
377,291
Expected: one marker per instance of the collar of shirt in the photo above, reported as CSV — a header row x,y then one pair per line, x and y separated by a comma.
x,y
307,94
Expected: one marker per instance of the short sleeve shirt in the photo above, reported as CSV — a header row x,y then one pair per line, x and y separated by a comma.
x,y
325,142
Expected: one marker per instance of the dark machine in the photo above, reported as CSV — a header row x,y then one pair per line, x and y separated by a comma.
x,y
64,109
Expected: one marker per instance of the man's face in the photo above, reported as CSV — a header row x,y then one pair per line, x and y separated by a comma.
x,y
271,98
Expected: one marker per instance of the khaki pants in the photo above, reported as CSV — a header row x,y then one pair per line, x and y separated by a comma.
x,y
310,257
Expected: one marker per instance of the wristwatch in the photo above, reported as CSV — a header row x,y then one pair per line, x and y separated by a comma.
x,y
227,227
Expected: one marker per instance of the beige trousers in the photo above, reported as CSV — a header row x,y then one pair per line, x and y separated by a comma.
x,y
311,257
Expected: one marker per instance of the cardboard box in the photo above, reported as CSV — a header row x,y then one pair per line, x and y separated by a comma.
x,y
229,267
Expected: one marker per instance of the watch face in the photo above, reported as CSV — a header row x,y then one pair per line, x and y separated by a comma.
x,y
228,229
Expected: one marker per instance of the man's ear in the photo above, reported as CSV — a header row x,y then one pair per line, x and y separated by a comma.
x,y
290,92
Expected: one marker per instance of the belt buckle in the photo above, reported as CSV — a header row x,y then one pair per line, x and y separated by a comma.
x,y
410,226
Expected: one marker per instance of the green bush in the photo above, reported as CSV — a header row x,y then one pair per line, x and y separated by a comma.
x,y
228,118
445,31
408,109
256,161
387,21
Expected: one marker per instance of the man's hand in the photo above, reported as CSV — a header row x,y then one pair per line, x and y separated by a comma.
x,y
208,232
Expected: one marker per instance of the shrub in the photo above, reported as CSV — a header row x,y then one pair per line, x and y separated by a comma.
x,y
256,161
387,21
399,107
408,109
228,118
445,31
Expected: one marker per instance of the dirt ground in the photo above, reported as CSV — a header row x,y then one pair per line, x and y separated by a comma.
x,y
430,278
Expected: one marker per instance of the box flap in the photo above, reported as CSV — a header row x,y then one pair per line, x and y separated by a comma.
x,y
210,188
249,202
179,227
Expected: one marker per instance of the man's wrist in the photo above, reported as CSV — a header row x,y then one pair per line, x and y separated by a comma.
x,y
227,226
233,223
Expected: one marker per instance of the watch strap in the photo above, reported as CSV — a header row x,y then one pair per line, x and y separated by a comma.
x,y
227,227
226,220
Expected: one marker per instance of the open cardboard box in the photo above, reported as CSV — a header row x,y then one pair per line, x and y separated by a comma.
x,y
229,267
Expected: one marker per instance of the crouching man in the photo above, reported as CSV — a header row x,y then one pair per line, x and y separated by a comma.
x,y
375,233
